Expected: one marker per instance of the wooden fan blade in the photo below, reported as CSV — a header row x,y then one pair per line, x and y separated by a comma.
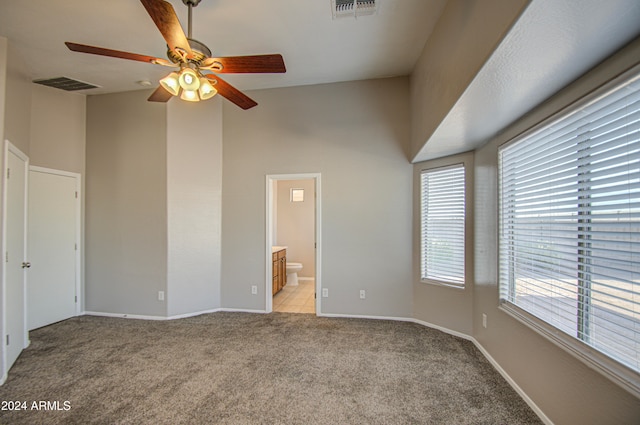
x,y
231,93
165,18
160,95
246,64
82,48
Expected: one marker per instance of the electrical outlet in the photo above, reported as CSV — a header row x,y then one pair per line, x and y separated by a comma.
x,y
160,295
254,289
325,292
363,294
484,320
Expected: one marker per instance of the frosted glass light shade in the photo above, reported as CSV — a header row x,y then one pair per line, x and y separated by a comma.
x,y
206,90
189,80
170,83
190,95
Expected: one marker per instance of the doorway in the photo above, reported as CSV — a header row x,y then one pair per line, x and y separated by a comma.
x,y
288,196
14,243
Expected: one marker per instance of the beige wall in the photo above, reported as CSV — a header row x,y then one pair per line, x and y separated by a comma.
x,y
154,181
58,129
355,135
564,388
4,51
466,34
17,101
194,194
295,224
126,204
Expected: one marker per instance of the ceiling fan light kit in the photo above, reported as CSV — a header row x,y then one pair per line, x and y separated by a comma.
x,y
190,83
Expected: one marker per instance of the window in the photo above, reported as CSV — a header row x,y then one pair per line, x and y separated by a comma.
x,y
297,195
570,229
442,223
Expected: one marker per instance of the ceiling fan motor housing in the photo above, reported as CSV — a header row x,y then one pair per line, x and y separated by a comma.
x,y
200,53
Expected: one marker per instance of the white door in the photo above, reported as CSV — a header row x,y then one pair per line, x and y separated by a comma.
x,y
15,338
52,247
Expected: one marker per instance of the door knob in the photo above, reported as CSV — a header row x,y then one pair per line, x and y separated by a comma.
x,y
26,264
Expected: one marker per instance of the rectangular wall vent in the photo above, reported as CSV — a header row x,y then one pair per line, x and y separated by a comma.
x,y
352,8
65,83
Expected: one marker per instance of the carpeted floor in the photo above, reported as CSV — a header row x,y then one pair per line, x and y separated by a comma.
x,y
240,368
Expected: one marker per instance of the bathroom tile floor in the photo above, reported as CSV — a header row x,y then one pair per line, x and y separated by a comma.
x,y
296,299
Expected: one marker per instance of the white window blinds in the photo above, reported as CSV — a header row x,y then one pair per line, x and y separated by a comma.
x,y
570,224
442,225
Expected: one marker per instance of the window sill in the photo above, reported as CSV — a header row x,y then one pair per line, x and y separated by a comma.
x,y
442,283
611,369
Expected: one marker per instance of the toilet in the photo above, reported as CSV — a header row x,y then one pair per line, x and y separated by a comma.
x,y
292,273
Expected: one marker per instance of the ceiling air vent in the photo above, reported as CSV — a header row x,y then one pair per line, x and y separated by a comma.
x,y
352,8
65,83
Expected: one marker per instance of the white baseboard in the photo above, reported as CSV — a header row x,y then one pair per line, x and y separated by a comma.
x,y
364,316
305,279
177,316
242,310
196,313
441,329
215,310
123,315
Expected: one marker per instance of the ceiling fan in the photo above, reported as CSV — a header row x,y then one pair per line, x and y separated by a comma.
x,y
196,78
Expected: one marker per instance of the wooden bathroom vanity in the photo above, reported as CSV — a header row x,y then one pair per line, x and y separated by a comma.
x,y
279,271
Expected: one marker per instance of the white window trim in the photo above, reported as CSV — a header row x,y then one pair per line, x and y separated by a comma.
x,y
456,164
615,371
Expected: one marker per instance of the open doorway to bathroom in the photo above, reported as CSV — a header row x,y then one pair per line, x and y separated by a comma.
x,y
292,248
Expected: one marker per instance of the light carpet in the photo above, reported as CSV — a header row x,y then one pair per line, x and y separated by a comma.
x,y
242,368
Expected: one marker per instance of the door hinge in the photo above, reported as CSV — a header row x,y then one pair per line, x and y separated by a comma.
x,y
75,246
8,172
76,299
7,339
6,257
76,194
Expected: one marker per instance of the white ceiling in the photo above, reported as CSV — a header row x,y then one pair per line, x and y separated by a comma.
x,y
316,48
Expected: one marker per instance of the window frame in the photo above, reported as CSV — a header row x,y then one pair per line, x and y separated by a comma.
x,y
617,372
451,164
